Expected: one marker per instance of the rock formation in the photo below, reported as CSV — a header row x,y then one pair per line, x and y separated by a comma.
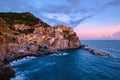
x,y
65,38
6,72
95,52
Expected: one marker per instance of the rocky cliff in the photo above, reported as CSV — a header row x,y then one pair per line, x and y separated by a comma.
x,y
16,33
25,28
65,38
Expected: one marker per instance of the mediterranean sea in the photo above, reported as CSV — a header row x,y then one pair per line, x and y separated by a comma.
x,y
74,64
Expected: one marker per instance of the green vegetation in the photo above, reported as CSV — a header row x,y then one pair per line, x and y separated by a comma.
x,y
7,21
27,31
19,18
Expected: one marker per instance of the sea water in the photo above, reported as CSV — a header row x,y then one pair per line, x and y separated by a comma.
x,y
74,64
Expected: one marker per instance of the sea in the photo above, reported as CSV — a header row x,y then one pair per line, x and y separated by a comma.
x,y
76,64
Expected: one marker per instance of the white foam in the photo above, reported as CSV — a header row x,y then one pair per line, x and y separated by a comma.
x,y
60,54
65,54
54,54
19,76
49,64
21,60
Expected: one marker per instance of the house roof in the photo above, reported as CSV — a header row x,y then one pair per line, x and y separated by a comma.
x,y
33,27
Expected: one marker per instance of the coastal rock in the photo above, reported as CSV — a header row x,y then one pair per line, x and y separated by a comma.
x,y
6,72
66,44
95,52
65,38
62,44
45,50
101,53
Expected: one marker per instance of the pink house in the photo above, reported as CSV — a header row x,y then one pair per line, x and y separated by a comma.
x,y
33,27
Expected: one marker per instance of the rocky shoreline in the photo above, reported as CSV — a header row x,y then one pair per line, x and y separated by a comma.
x,y
7,72
95,52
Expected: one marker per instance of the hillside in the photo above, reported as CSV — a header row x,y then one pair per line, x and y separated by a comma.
x,y
13,24
6,34
21,18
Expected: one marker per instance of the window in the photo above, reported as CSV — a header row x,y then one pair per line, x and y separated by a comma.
x,y
0,33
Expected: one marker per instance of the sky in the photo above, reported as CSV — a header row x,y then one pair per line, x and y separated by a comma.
x,y
91,19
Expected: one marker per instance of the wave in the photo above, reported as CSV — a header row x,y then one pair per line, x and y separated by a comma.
x,y
22,75
21,60
60,54
64,54
49,64
116,57
19,76
53,54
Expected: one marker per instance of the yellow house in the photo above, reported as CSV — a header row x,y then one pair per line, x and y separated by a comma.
x,y
59,29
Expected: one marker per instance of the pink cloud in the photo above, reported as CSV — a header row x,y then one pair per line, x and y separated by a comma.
x,y
116,35
90,31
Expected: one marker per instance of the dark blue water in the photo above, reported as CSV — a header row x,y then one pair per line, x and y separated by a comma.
x,y
74,65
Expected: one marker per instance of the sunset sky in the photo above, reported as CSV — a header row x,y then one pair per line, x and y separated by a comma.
x,y
91,19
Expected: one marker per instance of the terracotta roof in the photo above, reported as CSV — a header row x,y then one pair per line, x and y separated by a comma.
x,y
33,27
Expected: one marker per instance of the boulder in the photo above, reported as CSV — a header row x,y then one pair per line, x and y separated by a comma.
x,y
65,38
95,52
6,72
62,44
66,44
45,50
